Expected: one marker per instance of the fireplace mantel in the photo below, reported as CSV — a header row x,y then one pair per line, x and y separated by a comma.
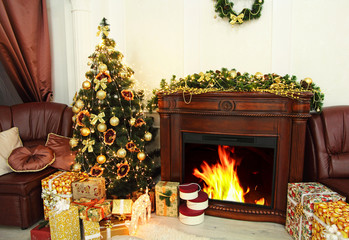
x,y
244,114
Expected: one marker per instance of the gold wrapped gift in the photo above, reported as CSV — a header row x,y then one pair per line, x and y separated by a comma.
x,y
93,210
91,230
122,206
114,227
92,188
330,218
64,225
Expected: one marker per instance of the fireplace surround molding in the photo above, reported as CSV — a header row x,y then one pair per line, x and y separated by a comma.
x,y
238,114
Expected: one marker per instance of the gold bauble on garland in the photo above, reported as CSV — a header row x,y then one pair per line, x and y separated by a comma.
x,y
73,142
86,85
102,67
114,121
121,153
79,104
102,127
85,131
148,136
101,94
101,159
258,75
225,10
141,156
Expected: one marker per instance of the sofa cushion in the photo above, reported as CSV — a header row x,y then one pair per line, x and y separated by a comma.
x,y
9,140
31,159
64,156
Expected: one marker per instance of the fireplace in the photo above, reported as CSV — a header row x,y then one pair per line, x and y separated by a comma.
x,y
261,135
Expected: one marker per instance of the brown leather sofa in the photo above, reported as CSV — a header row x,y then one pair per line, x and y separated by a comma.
x,y
327,149
20,193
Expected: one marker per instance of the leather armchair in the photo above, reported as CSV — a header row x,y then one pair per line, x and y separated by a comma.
x,y
20,193
327,149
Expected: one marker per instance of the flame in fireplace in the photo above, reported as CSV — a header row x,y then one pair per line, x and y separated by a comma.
x,y
221,179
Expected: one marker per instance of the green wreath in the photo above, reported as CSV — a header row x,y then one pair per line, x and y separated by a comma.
x,y
224,8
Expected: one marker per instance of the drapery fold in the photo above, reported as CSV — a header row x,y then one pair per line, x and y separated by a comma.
x,y
25,48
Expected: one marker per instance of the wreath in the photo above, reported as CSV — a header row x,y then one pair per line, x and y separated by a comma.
x,y
224,8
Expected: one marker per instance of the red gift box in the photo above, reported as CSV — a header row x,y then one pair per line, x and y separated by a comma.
x,y
40,234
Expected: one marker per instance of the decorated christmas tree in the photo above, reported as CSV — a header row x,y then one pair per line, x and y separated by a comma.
x,y
111,130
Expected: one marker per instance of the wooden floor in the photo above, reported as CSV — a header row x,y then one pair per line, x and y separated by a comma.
x,y
212,228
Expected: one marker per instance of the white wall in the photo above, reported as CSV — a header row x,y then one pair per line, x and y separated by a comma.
x,y
161,38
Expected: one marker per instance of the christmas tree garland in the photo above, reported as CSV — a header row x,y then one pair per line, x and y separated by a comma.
x,y
224,8
225,80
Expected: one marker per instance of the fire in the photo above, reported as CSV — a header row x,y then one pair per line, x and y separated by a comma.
x,y
221,179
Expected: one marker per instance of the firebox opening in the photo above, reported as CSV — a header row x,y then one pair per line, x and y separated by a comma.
x,y
237,169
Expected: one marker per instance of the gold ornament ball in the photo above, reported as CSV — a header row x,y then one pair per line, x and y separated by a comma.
x,y
308,80
101,94
121,153
114,121
75,109
101,159
258,75
76,167
86,85
102,127
132,121
102,67
73,142
73,118
85,131
233,74
79,104
148,136
141,156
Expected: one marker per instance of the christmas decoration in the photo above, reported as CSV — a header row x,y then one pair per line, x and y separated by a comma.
x,y
148,136
224,8
73,142
101,159
300,206
79,104
132,121
76,167
225,80
141,156
102,123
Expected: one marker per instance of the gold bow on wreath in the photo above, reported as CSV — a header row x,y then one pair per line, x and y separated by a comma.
x,y
235,18
104,29
98,117
88,145
100,83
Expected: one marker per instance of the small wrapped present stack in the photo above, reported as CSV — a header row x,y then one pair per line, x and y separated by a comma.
x,y
193,211
166,195
331,221
300,206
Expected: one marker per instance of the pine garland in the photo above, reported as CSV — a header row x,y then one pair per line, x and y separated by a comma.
x,y
225,80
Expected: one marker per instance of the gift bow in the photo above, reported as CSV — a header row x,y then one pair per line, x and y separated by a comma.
x,y
100,83
332,233
235,18
92,204
104,29
168,196
98,117
88,145
62,205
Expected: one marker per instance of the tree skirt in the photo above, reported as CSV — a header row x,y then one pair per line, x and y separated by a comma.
x,y
151,231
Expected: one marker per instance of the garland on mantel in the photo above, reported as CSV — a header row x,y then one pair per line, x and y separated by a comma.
x,y
224,8
225,80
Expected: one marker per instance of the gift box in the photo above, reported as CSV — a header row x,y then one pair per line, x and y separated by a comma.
x,y
166,195
64,225
91,230
122,206
93,210
38,233
92,188
300,206
113,227
331,220
55,187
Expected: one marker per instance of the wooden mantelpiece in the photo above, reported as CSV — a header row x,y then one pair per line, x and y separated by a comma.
x,y
243,114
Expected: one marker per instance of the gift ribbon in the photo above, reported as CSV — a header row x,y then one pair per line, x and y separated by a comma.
x,y
91,204
121,208
88,145
98,117
299,209
235,18
100,83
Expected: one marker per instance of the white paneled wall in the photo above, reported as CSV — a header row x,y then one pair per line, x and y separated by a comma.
x,y
161,38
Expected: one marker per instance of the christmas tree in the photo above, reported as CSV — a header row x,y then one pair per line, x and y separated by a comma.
x,y
111,130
